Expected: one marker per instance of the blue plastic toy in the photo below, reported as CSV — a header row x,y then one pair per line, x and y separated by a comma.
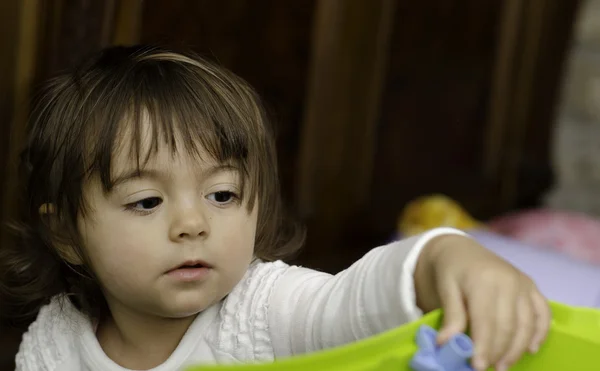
x,y
452,356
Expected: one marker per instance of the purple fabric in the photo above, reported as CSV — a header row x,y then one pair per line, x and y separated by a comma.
x,y
559,277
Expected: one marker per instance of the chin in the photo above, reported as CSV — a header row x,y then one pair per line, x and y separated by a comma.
x,y
186,309
182,315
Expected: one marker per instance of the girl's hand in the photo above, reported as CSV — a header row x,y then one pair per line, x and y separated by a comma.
x,y
503,308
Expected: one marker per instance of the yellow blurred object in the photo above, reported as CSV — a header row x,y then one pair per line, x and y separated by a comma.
x,y
434,211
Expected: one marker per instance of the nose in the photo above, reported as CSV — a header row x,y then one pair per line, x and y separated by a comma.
x,y
189,223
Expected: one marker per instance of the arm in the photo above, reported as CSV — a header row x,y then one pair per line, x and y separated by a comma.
x,y
311,310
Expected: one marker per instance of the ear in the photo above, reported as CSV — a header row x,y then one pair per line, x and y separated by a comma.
x,y
67,252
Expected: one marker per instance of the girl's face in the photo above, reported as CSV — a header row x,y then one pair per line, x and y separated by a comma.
x,y
171,240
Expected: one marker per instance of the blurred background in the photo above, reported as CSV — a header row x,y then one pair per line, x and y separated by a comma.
x,y
375,102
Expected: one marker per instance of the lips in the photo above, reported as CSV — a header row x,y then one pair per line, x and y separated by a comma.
x,y
192,264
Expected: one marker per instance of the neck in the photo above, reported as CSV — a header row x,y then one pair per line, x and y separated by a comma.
x,y
139,341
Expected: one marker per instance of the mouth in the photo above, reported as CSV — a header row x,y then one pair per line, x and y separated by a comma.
x,y
192,264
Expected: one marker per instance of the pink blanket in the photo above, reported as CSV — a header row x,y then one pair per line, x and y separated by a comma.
x,y
572,234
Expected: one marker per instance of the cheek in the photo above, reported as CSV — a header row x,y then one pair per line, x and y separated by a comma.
x,y
238,243
117,249
237,237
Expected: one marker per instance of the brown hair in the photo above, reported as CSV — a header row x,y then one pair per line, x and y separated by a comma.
x,y
73,133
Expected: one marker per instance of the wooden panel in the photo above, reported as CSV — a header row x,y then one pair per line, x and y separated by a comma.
x,y
127,22
74,30
24,75
501,89
434,111
349,55
532,43
20,70
9,36
525,168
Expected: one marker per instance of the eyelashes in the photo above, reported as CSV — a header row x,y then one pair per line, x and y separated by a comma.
x,y
148,205
223,197
144,206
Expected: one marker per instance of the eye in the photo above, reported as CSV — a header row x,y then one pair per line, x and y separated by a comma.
x,y
223,197
145,206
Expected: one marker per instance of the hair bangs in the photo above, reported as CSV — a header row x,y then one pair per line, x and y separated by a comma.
x,y
186,110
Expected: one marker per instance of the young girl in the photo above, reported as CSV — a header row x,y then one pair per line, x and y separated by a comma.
x,y
152,236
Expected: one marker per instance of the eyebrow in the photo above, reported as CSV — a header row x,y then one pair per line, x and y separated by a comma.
x,y
164,175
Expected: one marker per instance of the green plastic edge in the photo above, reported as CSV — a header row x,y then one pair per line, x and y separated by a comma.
x,y
573,343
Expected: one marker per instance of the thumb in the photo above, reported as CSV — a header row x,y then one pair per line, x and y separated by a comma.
x,y
454,311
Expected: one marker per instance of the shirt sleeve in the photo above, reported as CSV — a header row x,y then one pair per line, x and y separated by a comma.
x,y
311,310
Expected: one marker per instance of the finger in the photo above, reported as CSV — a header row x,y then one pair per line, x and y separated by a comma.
x,y
542,321
526,328
505,323
481,308
455,312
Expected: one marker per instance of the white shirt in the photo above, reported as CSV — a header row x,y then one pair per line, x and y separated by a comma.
x,y
276,311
